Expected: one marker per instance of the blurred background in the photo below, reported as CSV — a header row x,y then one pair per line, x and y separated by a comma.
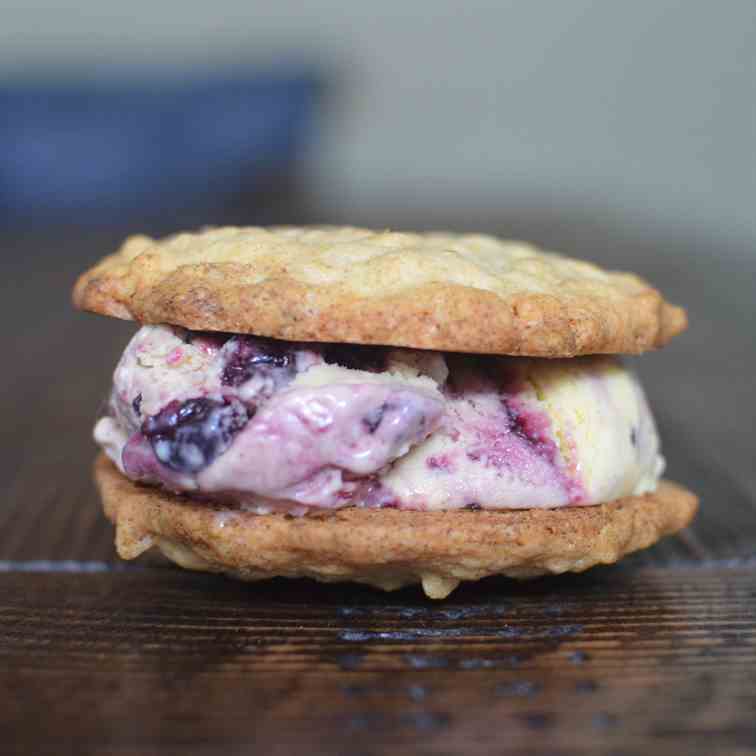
x,y
639,112
623,132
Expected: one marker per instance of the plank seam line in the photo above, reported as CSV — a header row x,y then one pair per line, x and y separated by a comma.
x,y
79,566
66,565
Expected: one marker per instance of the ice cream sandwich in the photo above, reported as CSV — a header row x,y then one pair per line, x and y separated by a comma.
x,y
381,407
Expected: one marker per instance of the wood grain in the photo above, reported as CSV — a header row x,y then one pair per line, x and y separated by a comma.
x,y
658,661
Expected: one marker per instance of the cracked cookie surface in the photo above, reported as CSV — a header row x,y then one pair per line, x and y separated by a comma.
x,y
461,293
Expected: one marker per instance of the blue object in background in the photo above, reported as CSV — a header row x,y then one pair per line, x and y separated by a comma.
x,y
110,151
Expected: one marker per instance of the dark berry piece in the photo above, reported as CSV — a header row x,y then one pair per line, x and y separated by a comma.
x,y
137,404
249,356
187,436
373,419
532,428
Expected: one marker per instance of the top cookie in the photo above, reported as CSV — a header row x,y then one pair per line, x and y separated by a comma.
x,y
460,293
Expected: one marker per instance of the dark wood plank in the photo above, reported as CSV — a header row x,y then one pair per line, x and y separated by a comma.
x,y
142,662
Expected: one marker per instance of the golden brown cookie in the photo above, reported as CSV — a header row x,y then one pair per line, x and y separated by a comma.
x,y
387,548
463,293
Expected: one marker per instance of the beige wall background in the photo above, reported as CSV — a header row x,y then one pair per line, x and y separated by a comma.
x,y
645,109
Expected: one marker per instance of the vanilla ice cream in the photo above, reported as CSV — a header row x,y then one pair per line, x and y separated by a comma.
x,y
281,426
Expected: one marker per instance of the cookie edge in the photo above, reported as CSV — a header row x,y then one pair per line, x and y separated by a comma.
x,y
387,548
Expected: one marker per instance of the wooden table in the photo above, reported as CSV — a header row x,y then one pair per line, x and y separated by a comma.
x,y
657,655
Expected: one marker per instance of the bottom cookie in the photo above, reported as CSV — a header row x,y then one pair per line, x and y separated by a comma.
x,y
387,548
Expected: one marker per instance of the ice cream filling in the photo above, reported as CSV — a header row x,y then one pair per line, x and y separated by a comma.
x,y
279,426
